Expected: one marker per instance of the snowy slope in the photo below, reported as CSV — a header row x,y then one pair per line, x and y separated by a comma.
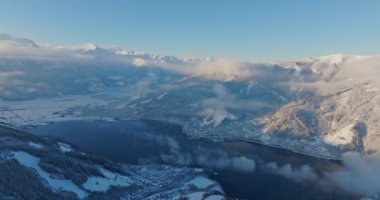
x,y
43,168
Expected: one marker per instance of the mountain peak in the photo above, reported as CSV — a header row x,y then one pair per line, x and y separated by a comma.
x,y
88,47
16,41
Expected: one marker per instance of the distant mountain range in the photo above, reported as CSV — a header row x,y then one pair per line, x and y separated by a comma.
x,y
320,106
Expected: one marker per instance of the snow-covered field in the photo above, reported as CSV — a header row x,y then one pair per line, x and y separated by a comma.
x,y
100,184
201,182
65,147
342,137
31,161
42,111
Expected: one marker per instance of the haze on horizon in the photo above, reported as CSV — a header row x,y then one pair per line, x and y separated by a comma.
x,y
249,30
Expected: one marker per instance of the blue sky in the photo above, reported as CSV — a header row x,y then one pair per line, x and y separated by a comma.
x,y
255,30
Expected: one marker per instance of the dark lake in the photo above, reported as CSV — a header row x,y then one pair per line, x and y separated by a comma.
x,y
138,142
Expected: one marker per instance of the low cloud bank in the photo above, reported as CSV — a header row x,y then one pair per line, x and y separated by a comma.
x,y
327,76
12,47
217,159
207,158
360,175
303,173
213,68
24,63
216,109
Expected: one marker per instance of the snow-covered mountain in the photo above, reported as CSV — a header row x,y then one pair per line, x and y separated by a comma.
x,y
321,106
11,40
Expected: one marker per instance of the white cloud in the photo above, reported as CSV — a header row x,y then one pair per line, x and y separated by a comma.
x,y
360,175
243,164
208,68
138,62
205,157
336,75
217,159
216,109
212,68
87,47
11,74
303,173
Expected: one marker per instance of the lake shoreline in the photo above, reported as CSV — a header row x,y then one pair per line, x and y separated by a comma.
x,y
132,140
